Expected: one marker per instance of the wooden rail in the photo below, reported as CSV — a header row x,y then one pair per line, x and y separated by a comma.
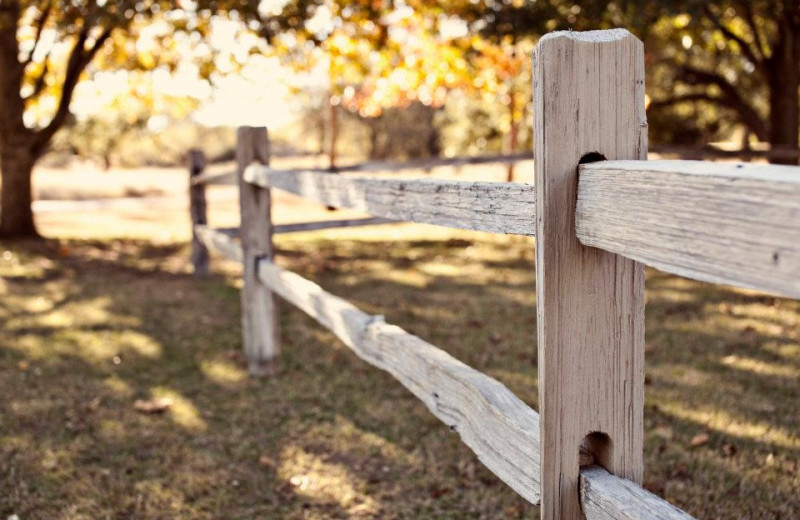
x,y
222,178
479,206
688,152
316,226
736,224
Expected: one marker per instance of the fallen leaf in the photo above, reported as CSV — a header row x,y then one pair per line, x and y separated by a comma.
x,y
50,462
682,473
153,406
729,450
266,461
664,432
654,486
93,405
699,440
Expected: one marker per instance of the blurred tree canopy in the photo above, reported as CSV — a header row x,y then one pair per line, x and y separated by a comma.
x,y
48,46
712,66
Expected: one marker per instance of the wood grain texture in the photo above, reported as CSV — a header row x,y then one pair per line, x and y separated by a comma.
x,y
607,497
220,242
729,223
501,430
588,97
198,212
259,313
479,206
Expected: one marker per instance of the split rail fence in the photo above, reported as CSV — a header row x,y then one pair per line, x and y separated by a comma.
x,y
599,213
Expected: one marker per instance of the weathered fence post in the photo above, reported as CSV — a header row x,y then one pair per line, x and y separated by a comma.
x,y
198,212
259,311
588,105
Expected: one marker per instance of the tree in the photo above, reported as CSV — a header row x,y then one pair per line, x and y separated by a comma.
x,y
378,55
46,48
742,56
29,66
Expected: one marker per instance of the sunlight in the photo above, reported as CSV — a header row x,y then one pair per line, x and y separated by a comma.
x,y
312,476
182,411
223,372
118,386
726,422
760,367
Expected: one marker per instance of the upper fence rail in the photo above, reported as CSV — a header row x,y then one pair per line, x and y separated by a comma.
x,y
496,207
730,223
683,152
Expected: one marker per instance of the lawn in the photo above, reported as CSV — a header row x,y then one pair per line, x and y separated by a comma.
x,y
91,326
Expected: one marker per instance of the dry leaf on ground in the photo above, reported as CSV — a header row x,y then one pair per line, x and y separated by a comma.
x,y
152,406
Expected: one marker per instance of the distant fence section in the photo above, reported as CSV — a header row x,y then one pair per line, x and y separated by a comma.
x,y
599,212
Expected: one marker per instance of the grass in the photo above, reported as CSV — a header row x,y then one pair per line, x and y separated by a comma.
x,y
90,326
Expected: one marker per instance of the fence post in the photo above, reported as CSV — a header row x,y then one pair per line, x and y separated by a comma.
x,y
259,311
197,211
588,93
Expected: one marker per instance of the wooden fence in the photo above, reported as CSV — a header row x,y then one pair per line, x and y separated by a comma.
x,y
599,213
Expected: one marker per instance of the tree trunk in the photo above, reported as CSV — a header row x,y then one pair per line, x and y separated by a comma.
x,y
784,120
16,213
513,135
784,101
333,135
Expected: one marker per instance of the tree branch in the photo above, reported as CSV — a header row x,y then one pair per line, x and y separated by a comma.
x,y
746,48
729,97
685,98
40,83
750,18
11,72
40,23
79,58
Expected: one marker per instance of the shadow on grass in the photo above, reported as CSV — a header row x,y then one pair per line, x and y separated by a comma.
x,y
89,327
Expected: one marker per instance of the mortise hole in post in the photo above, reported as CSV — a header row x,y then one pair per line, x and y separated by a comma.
x,y
592,157
596,448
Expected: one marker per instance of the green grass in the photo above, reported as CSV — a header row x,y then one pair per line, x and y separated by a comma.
x,y
89,327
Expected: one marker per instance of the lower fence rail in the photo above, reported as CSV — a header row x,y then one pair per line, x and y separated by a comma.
x,y
501,429
299,227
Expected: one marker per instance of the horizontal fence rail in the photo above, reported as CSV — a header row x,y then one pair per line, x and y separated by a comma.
x,y
477,206
687,152
220,241
736,224
316,226
501,429
225,178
